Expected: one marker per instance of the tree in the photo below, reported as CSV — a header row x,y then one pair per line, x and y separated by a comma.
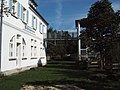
x,y
62,46
101,30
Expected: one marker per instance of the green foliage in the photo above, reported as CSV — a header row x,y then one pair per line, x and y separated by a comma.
x,y
102,28
60,47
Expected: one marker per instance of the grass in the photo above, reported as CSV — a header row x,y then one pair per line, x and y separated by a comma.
x,y
60,72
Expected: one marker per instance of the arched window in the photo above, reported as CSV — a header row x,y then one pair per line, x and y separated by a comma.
x,y
17,47
12,47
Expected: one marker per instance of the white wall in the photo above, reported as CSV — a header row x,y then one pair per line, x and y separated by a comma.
x,y
13,26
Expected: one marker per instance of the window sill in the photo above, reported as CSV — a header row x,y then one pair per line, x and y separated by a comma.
x,y
12,58
24,58
33,57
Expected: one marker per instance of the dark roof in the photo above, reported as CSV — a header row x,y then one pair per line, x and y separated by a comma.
x,y
34,2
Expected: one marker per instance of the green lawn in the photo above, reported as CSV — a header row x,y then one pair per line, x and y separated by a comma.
x,y
60,72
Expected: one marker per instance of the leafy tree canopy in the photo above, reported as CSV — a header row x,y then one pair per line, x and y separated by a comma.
x,y
102,28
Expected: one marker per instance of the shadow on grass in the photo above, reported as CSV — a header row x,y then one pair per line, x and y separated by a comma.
x,y
81,84
89,80
60,64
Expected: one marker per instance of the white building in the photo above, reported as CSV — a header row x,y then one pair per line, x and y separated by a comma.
x,y
23,31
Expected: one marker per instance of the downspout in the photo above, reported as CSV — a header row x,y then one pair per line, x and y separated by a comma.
x,y
1,20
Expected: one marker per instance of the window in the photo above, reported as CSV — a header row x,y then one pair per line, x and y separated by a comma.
x,y
24,14
34,22
23,48
43,27
12,6
40,28
20,11
11,50
32,51
18,45
12,47
17,48
33,48
41,49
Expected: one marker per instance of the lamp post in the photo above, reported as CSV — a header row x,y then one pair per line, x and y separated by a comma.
x,y
1,20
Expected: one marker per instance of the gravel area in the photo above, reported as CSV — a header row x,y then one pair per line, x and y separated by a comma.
x,y
54,87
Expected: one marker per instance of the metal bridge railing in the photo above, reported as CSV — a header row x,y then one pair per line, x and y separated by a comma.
x,y
61,36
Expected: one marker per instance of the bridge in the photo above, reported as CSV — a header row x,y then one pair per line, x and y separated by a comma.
x,y
61,35
54,37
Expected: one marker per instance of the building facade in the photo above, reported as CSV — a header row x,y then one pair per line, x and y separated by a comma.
x,y
22,36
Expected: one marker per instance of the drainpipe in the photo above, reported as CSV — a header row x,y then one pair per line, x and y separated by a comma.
x,y
1,20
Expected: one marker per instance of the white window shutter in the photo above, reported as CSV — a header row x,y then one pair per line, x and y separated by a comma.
x,y
36,23
41,27
18,10
21,13
10,4
27,16
32,21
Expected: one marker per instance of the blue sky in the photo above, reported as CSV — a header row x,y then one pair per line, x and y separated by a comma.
x,y
61,14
